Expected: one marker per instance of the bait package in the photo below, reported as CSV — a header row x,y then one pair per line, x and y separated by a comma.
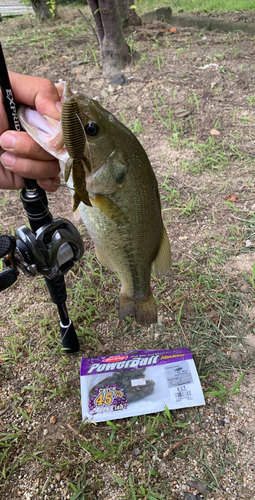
x,y
137,383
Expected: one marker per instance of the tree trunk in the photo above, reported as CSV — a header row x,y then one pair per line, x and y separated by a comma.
x,y
44,9
128,16
114,51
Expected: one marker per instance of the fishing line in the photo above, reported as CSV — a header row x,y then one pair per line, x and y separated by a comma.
x,y
89,251
87,143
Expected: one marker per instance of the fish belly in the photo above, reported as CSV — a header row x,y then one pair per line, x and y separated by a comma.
x,y
124,248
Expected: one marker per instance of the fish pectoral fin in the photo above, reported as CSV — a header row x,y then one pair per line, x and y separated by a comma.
x,y
103,260
144,310
162,261
108,208
77,215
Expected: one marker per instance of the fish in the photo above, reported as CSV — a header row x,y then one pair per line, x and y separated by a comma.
x,y
115,190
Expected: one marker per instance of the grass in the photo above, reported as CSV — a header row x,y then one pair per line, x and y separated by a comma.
x,y
197,5
202,306
136,128
214,153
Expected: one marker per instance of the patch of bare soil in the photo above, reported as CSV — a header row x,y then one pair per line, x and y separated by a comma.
x,y
190,98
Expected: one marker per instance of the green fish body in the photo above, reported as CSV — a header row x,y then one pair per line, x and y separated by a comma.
x,y
117,194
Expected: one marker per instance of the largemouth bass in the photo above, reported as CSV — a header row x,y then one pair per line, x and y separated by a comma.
x,y
116,191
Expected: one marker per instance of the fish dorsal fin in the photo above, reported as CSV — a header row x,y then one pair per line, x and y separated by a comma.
x,y
162,261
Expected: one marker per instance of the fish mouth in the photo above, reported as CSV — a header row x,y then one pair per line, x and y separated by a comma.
x,y
45,130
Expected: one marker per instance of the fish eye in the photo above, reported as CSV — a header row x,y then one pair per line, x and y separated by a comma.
x,y
91,128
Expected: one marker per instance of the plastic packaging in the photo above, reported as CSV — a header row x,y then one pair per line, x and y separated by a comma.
x,y
137,383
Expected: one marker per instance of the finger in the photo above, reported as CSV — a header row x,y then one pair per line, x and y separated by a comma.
x,y
32,169
49,184
10,180
21,144
38,92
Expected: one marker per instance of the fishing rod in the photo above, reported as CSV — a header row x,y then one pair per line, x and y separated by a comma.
x,y
50,247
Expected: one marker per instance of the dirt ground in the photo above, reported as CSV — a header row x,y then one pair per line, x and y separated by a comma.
x,y
190,97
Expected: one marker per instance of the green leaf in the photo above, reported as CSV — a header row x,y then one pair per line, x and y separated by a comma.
x,y
154,472
73,487
168,414
113,426
237,384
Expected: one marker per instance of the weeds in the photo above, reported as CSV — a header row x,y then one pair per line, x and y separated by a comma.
x,y
252,278
94,55
193,100
136,128
142,59
160,61
221,392
81,490
167,122
251,100
211,155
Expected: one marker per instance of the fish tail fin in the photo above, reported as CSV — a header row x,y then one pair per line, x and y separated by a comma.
x,y
144,310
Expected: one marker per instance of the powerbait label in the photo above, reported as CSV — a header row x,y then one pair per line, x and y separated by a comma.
x,y
107,399
137,383
132,360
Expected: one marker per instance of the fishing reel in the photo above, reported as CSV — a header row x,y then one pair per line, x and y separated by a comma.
x,y
50,251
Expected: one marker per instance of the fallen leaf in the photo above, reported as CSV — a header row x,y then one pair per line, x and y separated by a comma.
x,y
53,420
163,31
233,198
182,114
214,132
175,445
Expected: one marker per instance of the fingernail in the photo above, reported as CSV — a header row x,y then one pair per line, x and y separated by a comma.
x,y
7,141
8,160
45,182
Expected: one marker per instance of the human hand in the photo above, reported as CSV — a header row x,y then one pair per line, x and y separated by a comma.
x,y
20,155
